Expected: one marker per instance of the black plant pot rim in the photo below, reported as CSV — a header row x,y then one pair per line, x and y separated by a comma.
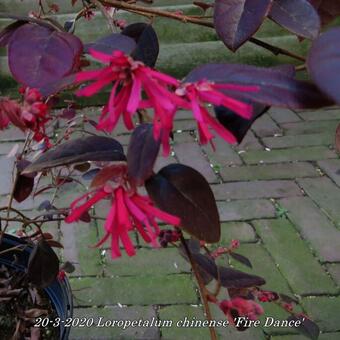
x,y
59,291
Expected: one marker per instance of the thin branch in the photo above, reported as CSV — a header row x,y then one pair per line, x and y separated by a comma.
x,y
202,288
194,20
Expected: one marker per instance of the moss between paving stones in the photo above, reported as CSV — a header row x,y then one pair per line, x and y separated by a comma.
x,y
267,172
313,153
325,194
146,290
77,240
263,265
314,139
242,210
148,262
236,231
291,254
324,311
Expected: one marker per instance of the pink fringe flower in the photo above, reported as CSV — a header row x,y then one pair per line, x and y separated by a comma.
x,y
130,78
237,307
204,92
129,211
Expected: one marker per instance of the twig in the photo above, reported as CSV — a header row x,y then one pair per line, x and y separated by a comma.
x,y
105,14
202,288
191,19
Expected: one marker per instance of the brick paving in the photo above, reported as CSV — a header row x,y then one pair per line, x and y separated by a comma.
x,y
287,163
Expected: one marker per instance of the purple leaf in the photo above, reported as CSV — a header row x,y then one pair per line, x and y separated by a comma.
x,y
307,327
39,56
324,61
242,259
297,16
147,48
237,20
68,113
328,10
7,33
112,42
274,86
91,148
237,125
23,187
229,277
43,265
142,154
182,191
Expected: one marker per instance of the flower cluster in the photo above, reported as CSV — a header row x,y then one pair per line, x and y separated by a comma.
x,y
129,211
34,113
164,95
31,114
238,306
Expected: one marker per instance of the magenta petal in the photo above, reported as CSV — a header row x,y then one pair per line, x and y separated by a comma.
x,y
103,57
135,96
163,216
95,87
77,212
88,75
221,130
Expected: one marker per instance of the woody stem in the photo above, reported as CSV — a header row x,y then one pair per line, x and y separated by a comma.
x,y
202,288
194,20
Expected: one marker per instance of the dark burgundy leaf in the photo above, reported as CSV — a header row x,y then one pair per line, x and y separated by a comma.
x,y
85,217
23,187
297,16
112,42
54,244
82,167
47,236
308,328
323,61
110,173
237,125
89,175
147,48
337,139
142,154
328,10
43,265
237,20
69,26
85,149
8,31
39,56
232,278
182,191
194,247
274,87
68,113
242,259
45,205
229,277
68,267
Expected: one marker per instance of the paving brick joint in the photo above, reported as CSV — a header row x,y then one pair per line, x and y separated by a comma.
x,y
278,193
